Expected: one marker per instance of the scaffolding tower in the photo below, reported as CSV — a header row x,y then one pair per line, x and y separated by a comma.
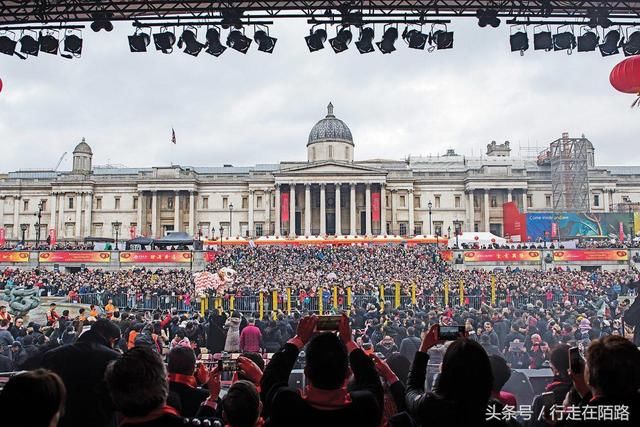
x,y
569,158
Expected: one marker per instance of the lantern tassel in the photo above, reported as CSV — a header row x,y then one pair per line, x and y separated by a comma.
x,y
636,103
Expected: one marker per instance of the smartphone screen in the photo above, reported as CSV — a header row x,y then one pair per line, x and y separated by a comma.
x,y
450,333
575,360
328,323
228,365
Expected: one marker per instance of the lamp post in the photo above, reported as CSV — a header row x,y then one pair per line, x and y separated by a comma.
x,y
37,224
221,231
456,225
116,227
448,232
430,205
24,228
230,219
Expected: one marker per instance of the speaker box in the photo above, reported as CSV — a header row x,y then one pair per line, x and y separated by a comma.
x,y
525,384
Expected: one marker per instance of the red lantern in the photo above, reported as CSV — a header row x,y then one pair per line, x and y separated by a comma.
x,y
625,77
477,238
493,240
0,85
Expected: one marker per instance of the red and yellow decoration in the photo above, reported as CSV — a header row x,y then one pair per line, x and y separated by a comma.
x,y
74,257
14,256
570,255
502,256
154,257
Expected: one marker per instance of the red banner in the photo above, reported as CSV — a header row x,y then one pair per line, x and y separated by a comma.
x,y
446,256
2,238
554,230
515,223
591,255
621,231
52,236
284,207
210,256
132,232
502,256
151,257
74,256
375,206
13,256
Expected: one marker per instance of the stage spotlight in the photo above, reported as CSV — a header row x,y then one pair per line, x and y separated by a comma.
x,y
542,41
7,45
365,42
191,44
519,41
101,22
588,42
29,45
599,16
488,17
214,47
442,39
632,45
49,44
415,39
386,45
564,41
238,41
341,41
164,41
139,41
315,40
265,42
610,45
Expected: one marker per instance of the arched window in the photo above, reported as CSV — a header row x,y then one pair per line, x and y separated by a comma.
x,y
331,152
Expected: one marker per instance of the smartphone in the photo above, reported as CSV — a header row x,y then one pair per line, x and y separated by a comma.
x,y
548,400
576,362
228,365
450,333
380,355
328,323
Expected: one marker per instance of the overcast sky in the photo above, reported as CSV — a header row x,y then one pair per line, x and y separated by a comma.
x,y
259,108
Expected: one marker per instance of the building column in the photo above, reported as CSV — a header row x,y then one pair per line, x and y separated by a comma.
x,y
352,210
307,210
383,210
53,209
394,212
412,222
88,200
154,213
251,225
61,227
266,229
276,225
139,224
79,215
192,212
470,212
524,201
367,206
176,211
292,210
486,210
16,217
323,210
510,195
338,211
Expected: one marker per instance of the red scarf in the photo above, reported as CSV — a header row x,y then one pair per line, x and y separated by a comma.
x,y
188,380
160,412
326,400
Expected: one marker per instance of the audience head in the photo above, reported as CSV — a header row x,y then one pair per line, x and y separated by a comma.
x,y
613,367
326,362
182,360
559,360
501,372
241,406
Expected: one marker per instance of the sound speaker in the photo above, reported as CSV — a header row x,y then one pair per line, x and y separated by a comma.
x,y
525,384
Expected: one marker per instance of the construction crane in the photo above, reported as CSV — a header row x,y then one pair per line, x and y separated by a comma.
x,y
60,161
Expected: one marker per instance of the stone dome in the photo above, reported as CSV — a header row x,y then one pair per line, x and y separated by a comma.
x,y
82,148
330,129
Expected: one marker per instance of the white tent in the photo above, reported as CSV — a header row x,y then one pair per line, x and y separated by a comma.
x,y
480,238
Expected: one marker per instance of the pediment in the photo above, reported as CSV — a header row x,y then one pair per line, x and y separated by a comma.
x,y
330,168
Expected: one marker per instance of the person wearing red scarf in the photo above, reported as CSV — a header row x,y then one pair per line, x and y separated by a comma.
x,y
327,400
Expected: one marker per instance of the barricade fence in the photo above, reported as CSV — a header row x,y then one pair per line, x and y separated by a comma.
x,y
267,304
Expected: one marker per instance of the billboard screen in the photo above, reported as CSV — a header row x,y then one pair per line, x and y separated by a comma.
x,y
572,225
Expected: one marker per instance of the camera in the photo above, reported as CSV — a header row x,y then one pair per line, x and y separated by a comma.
x,y
450,333
328,323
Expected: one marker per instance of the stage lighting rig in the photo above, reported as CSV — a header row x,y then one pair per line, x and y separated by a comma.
x,y
386,45
8,43
265,42
542,40
488,17
49,42
441,39
316,38
519,40
365,42
341,41
588,41
164,40
214,46
564,41
102,21
139,41
29,45
611,44
414,38
238,41
632,45
189,40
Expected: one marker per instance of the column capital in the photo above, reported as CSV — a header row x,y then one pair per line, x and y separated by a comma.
x,y
307,186
292,184
368,185
176,191
322,185
251,191
353,184
192,192
394,190
337,184
410,190
277,185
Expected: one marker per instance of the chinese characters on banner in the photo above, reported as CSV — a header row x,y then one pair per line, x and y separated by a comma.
x,y
12,256
590,255
74,256
151,257
502,255
375,206
284,207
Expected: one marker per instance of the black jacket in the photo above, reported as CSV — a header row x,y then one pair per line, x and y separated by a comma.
x,y
81,366
284,406
190,398
632,317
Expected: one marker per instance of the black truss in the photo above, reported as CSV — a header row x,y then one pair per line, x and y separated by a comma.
x,y
59,11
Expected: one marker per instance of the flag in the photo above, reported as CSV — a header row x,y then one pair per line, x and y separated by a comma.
x,y
173,136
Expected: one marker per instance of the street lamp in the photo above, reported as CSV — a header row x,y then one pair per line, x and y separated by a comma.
x,y
230,219
221,232
116,227
456,225
37,224
430,205
24,228
448,232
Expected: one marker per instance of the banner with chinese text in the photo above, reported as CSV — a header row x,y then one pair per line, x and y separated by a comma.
x,y
2,236
74,256
150,257
14,256
284,207
446,256
591,255
375,206
502,256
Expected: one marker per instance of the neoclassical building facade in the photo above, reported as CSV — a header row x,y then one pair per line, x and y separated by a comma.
x,y
328,194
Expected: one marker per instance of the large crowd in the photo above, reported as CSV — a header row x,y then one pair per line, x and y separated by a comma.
x,y
386,365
